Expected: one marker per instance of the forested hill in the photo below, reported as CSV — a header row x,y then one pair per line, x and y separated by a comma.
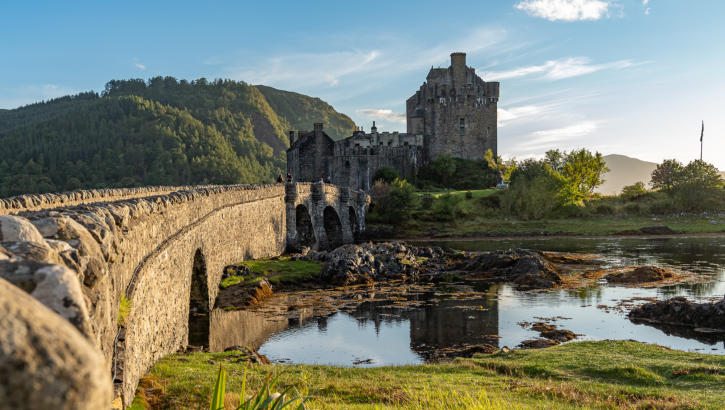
x,y
156,132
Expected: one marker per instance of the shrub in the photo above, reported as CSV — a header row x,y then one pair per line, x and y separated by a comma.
x,y
427,201
469,195
386,174
532,198
634,191
633,208
392,203
490,201
605,209
444,207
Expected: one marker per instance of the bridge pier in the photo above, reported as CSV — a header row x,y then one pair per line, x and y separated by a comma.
x,y
347,227
290,198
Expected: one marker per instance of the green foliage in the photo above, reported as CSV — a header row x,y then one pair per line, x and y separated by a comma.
x,y
392,203
386,174
582,172
665,175
281,270
458,173
445,207
159,132
634,191
124,307
533,198
263,400
302,111
588,374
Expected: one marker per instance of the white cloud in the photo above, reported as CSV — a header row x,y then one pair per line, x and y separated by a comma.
x,y
645,2
387,115
508,115
576,130
566,10
558,69
140,66
346,73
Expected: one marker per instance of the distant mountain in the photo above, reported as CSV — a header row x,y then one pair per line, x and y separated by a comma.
x,y
156,132
625,171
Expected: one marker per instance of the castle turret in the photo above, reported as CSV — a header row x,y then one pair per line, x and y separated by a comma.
x,y
458,66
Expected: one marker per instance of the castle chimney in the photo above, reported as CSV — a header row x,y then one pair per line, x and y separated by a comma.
x,y
374,129
458,65
291,138
318,130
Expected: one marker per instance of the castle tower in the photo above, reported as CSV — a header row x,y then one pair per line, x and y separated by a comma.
x,y
455,111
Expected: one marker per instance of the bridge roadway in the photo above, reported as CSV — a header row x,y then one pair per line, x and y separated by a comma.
x,y
164,249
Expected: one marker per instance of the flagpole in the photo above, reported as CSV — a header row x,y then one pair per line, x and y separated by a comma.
x,y
702,134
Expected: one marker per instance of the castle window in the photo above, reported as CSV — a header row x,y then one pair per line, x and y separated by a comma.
x,y
462,127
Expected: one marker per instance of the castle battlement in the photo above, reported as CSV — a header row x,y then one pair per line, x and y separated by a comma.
x,y
453,112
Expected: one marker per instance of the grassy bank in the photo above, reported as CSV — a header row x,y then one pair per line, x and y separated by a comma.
x,y
280,270
589,225
450,213
584,375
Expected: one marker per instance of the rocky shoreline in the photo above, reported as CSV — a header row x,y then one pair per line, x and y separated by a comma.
x,y
702,318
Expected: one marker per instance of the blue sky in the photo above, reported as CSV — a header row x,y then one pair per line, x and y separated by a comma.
x,y
631,77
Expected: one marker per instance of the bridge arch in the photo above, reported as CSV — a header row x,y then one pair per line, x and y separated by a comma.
x,y
199,311
333,227
305,232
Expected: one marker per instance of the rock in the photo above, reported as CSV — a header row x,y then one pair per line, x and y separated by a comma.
x,y
365,263
657,230
32,251
244,295
55,286
45,363
526,268
559,335
537,343
250,354
679,311
16,229
642,274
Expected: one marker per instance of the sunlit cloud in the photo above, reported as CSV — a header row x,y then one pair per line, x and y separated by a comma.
x,y
559,69
576,130
565,10
140,66
386,115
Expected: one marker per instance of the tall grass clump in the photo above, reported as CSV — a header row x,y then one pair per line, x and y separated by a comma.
x,y
265,399
124,307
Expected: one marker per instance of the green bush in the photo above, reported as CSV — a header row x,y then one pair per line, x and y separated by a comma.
x,y
392,203
633,208
386,174
605,209
469,195
427,201
532,198
634,191
445,207
490,201
458,173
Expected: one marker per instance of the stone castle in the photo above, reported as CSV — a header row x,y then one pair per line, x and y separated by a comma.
x,y
453,112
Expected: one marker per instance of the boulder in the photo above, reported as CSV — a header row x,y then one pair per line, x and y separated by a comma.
x,y
45,363
642,274
526,268
55,286
681,312
16,229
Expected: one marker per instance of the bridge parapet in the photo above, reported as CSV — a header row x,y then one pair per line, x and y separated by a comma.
x,y
142,245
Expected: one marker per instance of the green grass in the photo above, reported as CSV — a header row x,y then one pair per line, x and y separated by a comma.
x,y
476,193
589,225
124,307
608,374
282,270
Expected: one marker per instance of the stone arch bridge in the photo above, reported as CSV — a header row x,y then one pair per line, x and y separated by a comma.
x,y
161,252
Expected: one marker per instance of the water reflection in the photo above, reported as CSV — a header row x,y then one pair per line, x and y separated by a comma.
x,y
382,331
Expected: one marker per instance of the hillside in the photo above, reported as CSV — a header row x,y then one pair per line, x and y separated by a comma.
x,y
160,132
624,171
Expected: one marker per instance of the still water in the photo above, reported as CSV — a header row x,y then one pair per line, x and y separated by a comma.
x,y
376,332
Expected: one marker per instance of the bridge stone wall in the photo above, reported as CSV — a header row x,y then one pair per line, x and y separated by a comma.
x,y
140,244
